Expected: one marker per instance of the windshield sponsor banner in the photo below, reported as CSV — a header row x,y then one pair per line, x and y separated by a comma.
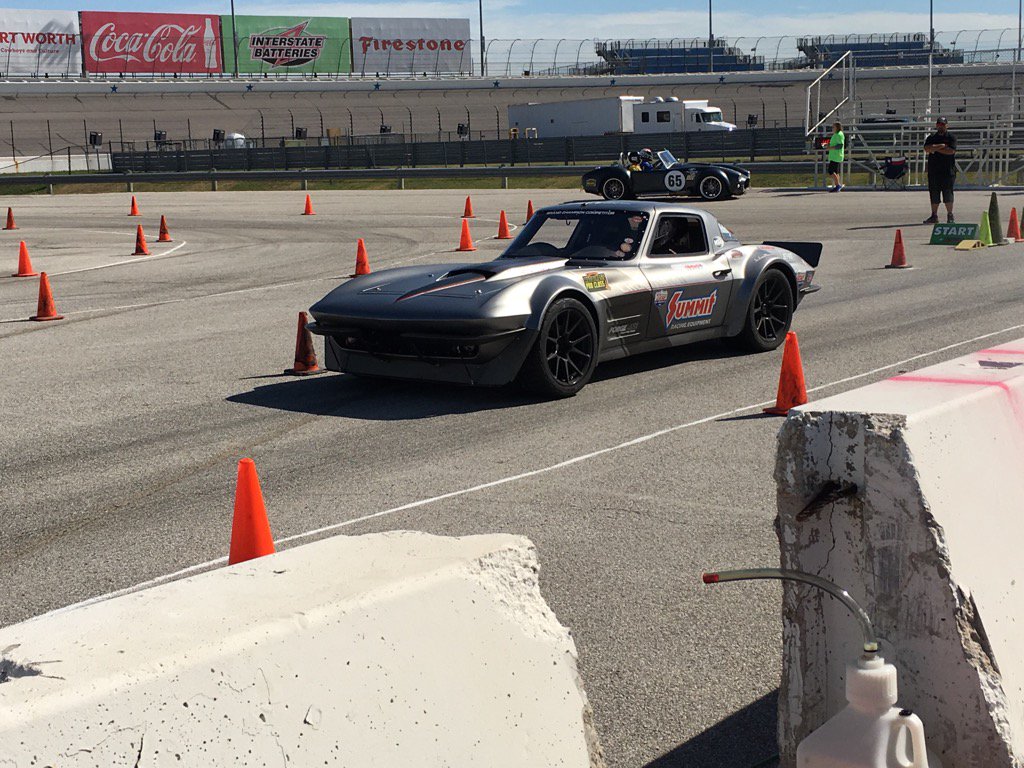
x,y
395,46
288,44
151,43
40,42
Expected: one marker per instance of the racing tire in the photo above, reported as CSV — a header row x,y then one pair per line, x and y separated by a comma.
x,y
711,187
564,356
614,188
769,314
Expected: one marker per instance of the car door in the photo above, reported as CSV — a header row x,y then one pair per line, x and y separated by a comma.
x,y
691,285
649,182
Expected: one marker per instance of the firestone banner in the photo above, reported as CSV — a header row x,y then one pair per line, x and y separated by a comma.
x,y
40,42
407,46
151,43
287,44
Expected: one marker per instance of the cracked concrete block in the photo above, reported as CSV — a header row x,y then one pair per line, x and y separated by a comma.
x,y
910,494
383,650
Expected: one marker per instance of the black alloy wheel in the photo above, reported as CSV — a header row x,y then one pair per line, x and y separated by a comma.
x,y
770,314
565,353
613,189
711,188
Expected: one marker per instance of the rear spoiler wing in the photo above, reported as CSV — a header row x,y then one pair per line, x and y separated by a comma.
x,y
809,252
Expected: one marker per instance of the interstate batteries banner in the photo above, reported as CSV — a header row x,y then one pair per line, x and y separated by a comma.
x,y
288,44
40,42
400,46
151,43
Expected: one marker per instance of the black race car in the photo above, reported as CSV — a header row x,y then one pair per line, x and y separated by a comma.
x,y
711,181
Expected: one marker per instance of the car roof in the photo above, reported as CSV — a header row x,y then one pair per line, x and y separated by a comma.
x,y
644,206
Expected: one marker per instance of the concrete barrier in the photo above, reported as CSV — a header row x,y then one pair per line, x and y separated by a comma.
x,y
384,650
910,494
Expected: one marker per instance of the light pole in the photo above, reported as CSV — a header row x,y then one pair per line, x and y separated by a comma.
x,y
711,42
234,34
483,45
931,50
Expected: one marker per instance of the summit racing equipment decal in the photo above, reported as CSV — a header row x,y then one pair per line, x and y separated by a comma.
x,y
695,311
289,48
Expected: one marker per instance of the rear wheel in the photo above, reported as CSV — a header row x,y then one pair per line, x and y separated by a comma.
x,y
712,188
613,189
565,354
770,313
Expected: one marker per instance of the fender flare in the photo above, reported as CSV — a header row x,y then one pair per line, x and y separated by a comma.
x,y
744,289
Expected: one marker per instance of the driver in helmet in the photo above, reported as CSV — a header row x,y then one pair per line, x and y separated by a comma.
x,y
646,159
633,159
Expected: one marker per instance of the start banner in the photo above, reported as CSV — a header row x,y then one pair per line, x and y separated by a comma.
x,y
40,43
287,44
408,46
151,43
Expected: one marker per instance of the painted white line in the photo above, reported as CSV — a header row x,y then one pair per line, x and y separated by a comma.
x,y
523,475
107,232
136,260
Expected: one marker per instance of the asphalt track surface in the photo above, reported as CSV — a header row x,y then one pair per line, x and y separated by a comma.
x,y
123,423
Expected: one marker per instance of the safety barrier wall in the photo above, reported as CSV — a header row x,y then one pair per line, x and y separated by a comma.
x,y
909,494
383,650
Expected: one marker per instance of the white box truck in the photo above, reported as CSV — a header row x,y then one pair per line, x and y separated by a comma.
x,y
614,115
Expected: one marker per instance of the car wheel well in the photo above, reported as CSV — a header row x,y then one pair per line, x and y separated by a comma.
x,y
790,277
582,298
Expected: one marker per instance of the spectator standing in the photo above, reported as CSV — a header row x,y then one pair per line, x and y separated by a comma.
x,y
836,155
940,147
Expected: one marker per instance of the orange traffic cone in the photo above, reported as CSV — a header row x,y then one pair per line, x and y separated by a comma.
x,y
899,256
135,208
250,529
468,212
792,390
305,355
466,241
309,208
141,249
362,262
1013,230
10,219
45,310
529,209
503,233
165,233
24,263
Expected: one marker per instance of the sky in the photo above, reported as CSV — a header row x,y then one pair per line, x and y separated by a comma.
x,y
578,19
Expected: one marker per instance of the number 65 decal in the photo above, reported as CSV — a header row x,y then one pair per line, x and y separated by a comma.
x,y
675,181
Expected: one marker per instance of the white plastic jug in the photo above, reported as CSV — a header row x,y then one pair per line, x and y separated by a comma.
x,y
869,732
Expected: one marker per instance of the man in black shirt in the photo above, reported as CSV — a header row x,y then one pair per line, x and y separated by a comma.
x,y
941,150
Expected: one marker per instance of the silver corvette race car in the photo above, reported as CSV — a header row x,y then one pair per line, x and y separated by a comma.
x,y
583,283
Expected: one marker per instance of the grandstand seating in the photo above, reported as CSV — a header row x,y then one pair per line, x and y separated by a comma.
x,y
652,57
875,50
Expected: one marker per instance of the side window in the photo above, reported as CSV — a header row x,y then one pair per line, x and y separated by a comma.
x,y
645,117
664,116
696,117
679,236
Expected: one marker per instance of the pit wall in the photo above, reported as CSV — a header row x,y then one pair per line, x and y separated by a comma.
x,y
910,494
383,650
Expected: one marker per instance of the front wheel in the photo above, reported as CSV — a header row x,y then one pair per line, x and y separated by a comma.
x,y
770,313
712,188
564,355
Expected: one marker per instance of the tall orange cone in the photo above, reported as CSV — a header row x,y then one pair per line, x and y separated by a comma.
x,y
309,208
503,233
529,209
466,241
899,256
1013,230
250,529
792,389
362,262
165,233
10,219
24,263
467,213
305,355
141,249
135,208
45,310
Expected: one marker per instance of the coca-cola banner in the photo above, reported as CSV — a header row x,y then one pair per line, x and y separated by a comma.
x,y
40,43
406,46
151,43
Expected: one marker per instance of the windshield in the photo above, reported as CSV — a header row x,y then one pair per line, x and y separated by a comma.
x,y
712,117
667,158
580,234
